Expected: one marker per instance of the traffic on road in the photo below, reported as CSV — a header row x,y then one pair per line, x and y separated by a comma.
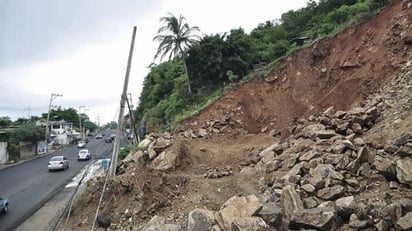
x,y
30,185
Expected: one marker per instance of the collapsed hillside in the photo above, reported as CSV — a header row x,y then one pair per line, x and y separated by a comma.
x,y
323,142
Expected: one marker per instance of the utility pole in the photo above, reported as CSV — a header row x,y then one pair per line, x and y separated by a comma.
x,y
52,97
80,122
113,163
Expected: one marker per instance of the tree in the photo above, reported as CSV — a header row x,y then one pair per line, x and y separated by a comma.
x,y
175,37
5,121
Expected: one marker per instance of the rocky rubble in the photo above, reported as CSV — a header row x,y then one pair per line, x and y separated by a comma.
x,y
334,178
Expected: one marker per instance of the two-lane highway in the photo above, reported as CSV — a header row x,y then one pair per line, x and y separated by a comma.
x,y
29,185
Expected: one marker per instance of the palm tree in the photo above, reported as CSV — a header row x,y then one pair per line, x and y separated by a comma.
x,y
175,37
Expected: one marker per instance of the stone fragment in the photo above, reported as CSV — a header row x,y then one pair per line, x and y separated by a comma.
x,y
237,207
320,218
405,222
271,214
354,222
290,201
404,171
331,193
345,206
249,224
200,219
156,223
385,167
103,221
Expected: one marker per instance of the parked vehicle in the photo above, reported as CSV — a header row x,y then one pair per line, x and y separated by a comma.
x,y
58,162
81,144
4,205
84,154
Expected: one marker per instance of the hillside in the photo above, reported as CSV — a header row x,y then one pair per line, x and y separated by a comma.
x,y
322,142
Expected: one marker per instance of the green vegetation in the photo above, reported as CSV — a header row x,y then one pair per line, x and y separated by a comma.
x,y
175,37
216,63
70,115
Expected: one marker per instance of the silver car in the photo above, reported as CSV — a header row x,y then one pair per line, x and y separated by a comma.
x,y
81,144
58,162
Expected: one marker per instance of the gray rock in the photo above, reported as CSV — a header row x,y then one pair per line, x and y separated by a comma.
x,y
310,202
354,222
349,144
331,193
309,131
345,206
382,225
249,224
403,139
405,222
404,151
308,188
200,219
155,224
359,141
325,134
320,218
103,221
290,201
404,171
237,207
271,214
385,167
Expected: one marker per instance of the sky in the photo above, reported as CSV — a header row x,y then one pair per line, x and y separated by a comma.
x,y
79,48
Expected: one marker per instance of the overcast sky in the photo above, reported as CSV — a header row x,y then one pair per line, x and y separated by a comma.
x,y
79,48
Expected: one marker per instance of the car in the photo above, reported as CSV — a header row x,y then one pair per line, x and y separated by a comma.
x,y
4,205
84,154
112,136
108,140
57,163
99,136
81,144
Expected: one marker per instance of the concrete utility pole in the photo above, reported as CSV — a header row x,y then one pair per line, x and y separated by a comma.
x,y
52,97
113,163
80,121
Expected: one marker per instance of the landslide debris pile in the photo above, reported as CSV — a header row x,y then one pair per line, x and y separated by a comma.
x,y
337,170
331,174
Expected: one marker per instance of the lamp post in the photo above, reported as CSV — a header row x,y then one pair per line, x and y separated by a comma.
x,y
80,121
52,97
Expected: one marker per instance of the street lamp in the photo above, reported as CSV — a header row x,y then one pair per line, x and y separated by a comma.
x,y
52,97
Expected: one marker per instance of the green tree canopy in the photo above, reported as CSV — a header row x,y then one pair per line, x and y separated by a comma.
x,y
174,38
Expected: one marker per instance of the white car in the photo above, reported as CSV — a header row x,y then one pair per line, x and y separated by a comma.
x,y
58,162
84,154
81,144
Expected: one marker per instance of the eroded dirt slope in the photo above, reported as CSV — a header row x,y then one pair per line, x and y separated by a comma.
x,y
339,71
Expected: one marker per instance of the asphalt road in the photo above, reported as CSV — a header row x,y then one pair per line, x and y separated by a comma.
x,y
30,185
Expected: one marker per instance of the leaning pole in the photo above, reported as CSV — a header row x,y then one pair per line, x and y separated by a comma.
x,y
116,145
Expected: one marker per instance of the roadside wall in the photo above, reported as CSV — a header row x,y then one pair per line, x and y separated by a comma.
x,y
4,155
27,150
